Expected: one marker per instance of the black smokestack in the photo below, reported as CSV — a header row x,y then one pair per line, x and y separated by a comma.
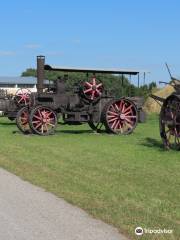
x,y
40,73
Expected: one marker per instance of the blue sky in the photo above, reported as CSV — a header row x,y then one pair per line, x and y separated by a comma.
x,y
125,34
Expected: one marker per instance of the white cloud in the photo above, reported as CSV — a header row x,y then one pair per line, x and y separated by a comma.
x,y
7,53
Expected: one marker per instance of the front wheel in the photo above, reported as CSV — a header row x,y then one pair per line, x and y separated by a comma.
x,y
43,120
22,120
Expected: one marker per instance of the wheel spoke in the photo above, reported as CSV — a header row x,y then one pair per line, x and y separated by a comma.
x,y
37,117
50,124
92,96
128,108
40,114
131,117
123,108
38,125
112,113
114,123
20,100
88,84
46,127
98,92
23,118
120,105
129,121
127,113
117,109
116,126
112,120
37,121
111,116
88,90
99,85
129,125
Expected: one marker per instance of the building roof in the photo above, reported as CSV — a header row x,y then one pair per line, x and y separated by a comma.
x,y
19,80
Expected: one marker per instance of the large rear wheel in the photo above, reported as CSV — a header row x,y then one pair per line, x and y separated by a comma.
x,y
120,116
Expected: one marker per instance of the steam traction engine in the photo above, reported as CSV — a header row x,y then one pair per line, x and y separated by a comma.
x,y
88,103
10,105
169,119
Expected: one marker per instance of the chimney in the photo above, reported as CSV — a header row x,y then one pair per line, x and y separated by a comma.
x,y
40,73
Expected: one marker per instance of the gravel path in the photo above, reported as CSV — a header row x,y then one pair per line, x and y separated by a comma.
x,y
29,213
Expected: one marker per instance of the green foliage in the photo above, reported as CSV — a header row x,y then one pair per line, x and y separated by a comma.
x,y
116,85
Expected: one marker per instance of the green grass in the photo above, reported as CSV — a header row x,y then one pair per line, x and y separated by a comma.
x,y
126,181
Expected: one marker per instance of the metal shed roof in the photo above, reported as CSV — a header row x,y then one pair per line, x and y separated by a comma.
x,y
92,70
18,80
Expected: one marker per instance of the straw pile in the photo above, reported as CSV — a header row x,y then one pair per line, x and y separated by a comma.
x,y
151,106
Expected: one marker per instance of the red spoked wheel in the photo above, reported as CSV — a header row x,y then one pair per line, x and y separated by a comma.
x,y
22,120
120,116
23,97
43,120
93,89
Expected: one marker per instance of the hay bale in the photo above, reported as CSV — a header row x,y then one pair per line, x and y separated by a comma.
x,y
151,106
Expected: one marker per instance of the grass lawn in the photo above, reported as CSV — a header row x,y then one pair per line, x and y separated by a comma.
x,y
126,181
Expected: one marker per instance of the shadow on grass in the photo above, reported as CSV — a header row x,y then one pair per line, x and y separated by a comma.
x,y
7,123
74,131
153,143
